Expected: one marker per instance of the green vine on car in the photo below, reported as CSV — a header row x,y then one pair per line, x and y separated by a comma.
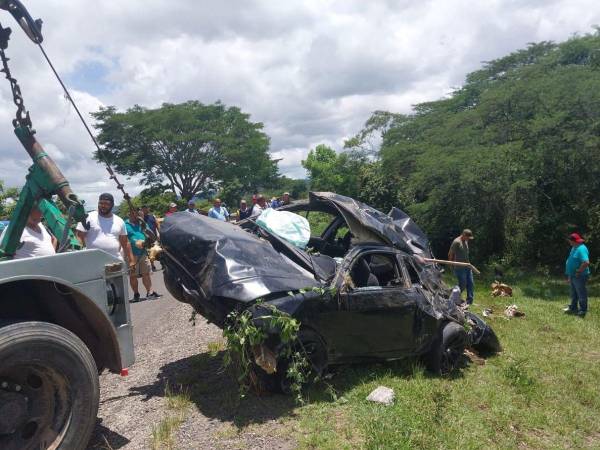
x,y
243,335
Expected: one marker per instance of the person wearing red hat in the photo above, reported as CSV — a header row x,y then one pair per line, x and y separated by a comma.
x,y
577,271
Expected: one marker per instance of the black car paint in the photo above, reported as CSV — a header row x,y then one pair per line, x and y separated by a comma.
x,y
218,267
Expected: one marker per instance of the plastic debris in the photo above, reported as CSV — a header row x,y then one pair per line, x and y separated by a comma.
x,y
501,290
513,311
487,312
382,395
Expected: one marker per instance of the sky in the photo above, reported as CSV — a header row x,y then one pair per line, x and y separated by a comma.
x,y
311,71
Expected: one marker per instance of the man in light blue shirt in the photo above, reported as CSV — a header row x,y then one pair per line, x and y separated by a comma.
x,y
218,212
577,271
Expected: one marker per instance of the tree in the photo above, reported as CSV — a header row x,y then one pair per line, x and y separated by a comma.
x,y
8,199
513,154
190,146
330,171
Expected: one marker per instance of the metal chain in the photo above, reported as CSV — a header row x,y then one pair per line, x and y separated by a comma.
x,y
22,118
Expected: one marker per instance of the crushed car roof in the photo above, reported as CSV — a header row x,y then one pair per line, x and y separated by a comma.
x,y
369,224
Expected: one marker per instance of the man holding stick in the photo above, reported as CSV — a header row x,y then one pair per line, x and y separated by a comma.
x,y
459,252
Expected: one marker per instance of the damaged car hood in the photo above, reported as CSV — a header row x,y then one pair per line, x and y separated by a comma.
x,y
223,260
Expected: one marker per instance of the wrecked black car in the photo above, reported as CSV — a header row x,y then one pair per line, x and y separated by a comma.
x,y
360,289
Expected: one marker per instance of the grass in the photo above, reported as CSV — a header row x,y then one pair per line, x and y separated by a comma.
x,y
541,392
163,434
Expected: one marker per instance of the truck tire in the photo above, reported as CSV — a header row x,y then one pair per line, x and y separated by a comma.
x,y
49,390
447,349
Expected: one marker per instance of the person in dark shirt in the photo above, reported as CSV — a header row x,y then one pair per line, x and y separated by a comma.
x,y
244,211
459,252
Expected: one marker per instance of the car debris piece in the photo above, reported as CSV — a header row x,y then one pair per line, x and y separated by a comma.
x,y
383,395
487,312
474,357
287,225
265,358
513,311
501,290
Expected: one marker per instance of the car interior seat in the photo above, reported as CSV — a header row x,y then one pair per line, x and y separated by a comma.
x,y
362,276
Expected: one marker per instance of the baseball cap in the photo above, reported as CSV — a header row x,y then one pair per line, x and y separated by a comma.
x,y
575,237
467,232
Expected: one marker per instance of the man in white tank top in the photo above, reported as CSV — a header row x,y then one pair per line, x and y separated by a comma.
x,y
106,230
35,240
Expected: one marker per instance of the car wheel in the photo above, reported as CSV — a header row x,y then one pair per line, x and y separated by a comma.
x,y
447,349
48,388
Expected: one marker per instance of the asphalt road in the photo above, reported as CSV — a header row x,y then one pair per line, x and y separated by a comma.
x,y
168,350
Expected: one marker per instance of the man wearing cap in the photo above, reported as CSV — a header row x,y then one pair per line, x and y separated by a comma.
x,y
577,271
285,200
106,231
172,209
218,212
459,252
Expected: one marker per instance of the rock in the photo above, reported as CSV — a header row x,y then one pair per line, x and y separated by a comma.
x,y
383,395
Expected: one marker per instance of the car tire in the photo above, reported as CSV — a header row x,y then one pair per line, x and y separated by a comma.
x,y
447,349
50,379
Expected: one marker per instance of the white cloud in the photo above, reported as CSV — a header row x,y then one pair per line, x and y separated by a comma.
x,y
311,71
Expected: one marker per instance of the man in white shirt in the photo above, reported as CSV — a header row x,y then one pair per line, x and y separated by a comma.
x,y
106,231
261,205
35,240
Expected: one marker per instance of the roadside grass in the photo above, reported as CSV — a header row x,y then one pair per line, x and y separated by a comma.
x,y
163,434
540,392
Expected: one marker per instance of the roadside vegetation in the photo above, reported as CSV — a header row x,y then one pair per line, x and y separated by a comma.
x,y
538,393
178,404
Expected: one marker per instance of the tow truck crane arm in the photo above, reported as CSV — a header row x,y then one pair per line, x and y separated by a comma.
x,y
44,178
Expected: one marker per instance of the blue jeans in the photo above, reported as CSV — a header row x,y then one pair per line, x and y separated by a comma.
x,y
464,276
579,293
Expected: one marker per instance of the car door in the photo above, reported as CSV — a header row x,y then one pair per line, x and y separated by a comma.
x,y
375,316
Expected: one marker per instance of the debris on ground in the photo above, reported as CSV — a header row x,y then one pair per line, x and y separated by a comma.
x,y
383,395
487,312
513,311
474,357
501,290
265,358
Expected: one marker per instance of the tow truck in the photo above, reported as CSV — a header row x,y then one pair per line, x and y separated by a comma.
x,y
63,318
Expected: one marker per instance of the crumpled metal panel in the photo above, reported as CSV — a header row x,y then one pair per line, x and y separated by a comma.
x,y
368,224
226,261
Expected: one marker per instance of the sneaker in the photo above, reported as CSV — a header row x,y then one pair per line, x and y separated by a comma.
x,y
568,310
581,314
136,298
153,295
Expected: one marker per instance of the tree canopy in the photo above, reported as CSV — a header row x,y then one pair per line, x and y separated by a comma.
x,y
512,154
192,147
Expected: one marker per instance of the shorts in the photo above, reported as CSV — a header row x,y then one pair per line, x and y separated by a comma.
x,y
142,266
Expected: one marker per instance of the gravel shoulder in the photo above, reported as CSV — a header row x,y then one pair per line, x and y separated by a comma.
x,y
172,354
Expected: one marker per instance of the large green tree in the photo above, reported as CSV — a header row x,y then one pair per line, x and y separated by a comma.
x,y
514,154
192,147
